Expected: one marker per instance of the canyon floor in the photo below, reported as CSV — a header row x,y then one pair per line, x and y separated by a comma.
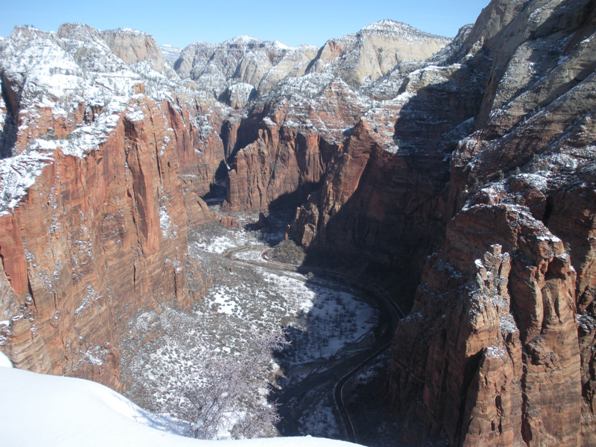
x,y
333,334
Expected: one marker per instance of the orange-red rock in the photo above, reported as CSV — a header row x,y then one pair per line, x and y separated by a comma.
x,y
96,240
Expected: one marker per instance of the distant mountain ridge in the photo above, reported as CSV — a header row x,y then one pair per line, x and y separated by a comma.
x,y
357,58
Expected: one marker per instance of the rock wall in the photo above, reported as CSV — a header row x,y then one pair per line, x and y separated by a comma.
x,y
284,147
96,240
491,174
134,47
489,353
280,163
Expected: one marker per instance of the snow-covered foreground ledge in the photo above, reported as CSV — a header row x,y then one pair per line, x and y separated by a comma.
x,y
41,410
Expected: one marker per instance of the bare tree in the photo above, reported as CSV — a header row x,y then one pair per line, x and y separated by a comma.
x,y
228,386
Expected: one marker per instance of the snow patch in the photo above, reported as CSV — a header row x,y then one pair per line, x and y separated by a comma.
x,y
80,412
168,230
96,355
18,174
134,115
495,352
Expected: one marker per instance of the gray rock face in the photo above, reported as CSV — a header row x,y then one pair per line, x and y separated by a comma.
x,y
134,47
357,59
375,51
241,60
238,95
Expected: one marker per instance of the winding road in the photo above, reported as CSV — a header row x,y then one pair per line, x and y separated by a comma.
x,y
353,358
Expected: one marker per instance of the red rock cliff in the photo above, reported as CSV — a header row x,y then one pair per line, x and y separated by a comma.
x,y
97,239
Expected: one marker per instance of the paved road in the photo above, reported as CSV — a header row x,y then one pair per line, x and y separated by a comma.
x,y
334,373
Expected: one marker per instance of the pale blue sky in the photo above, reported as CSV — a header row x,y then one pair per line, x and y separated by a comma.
x,y
180,22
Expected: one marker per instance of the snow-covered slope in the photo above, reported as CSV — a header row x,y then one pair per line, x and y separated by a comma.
x,y
41,410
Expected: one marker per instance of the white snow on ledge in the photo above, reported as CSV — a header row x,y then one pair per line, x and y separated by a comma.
x,y
17,175
42,410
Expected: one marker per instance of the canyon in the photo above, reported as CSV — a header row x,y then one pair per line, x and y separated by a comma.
x,y
456,176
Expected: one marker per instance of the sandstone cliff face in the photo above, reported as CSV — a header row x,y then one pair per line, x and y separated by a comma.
x,y
489,353
95,240
95,212
286,144
374,51
282,161
385,195
134,47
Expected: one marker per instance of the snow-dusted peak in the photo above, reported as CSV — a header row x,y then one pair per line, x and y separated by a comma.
x,y
27,31
254,42
242,40
243,59
131,31
37,61
77,31
282,46
399,29
362,58
387,25
49,78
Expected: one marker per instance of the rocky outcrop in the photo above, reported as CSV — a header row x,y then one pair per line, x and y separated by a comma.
x,y
282,164
285,145
489,353
374,51
243,59
134,47
238,95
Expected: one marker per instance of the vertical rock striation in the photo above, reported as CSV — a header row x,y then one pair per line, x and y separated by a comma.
x,y
97,198
95,240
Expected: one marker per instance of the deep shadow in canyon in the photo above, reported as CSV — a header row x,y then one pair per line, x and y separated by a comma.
x,y
306,394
